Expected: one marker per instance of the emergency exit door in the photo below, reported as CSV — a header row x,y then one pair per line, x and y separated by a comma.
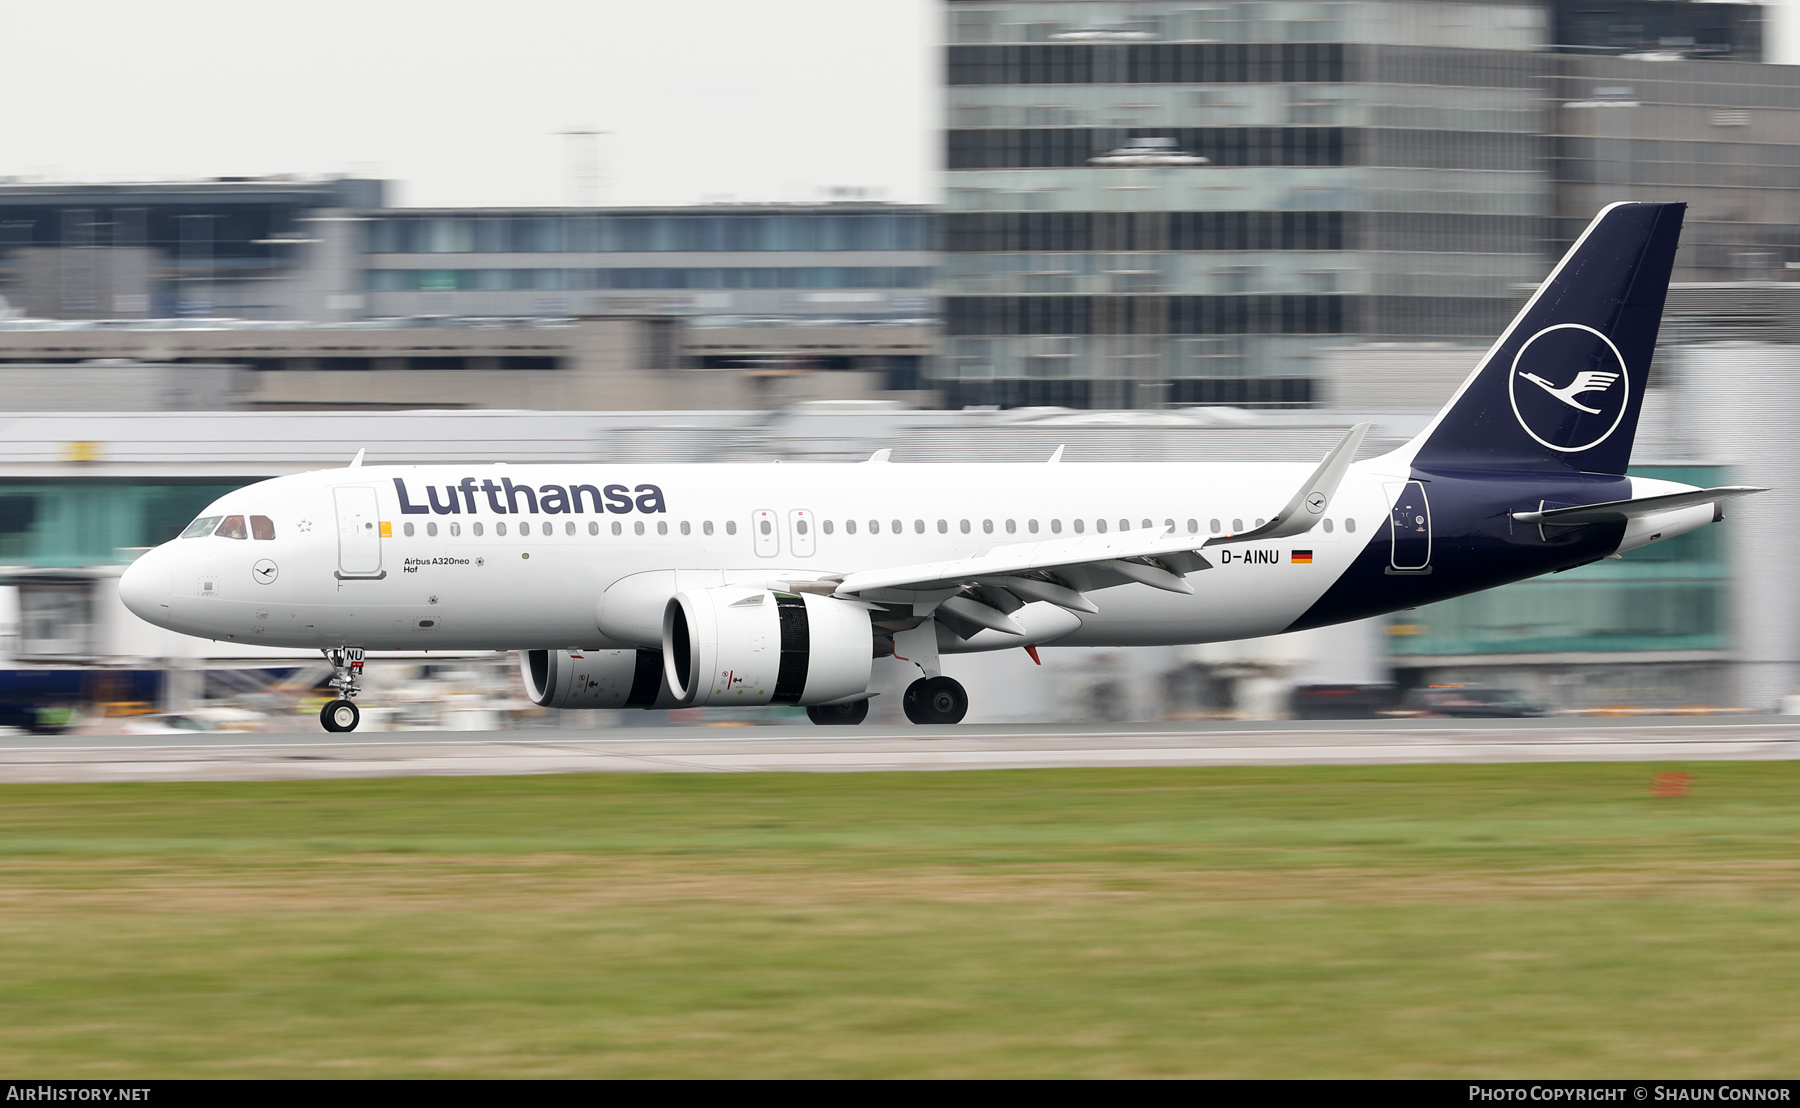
x,y
763,531
359,531
1409,526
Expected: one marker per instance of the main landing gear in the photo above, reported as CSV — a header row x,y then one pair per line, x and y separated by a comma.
x,y
347,666
839,715
936,700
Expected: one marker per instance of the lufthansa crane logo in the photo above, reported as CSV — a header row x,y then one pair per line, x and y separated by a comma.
x,y
1569,388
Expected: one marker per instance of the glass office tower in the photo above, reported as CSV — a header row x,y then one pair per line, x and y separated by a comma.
x,y
1372,169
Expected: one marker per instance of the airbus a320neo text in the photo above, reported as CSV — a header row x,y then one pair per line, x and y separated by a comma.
x,y
658,586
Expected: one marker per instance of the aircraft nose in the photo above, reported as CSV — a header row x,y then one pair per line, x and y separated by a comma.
x,y
144,587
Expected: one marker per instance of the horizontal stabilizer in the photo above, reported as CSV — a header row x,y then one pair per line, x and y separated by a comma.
x,y
1615,510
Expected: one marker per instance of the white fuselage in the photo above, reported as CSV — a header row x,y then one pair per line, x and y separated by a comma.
x,y
350,565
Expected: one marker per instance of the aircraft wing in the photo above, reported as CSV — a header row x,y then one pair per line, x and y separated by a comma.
x,y
1615,510
1098,560
985,588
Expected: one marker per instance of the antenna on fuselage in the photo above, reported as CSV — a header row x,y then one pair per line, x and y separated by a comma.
x,y
356,462
1056,457
881,455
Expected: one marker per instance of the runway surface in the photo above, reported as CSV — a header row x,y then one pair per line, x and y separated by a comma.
x,y
314,755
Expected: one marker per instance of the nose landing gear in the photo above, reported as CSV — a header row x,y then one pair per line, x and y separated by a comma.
x,y
341,714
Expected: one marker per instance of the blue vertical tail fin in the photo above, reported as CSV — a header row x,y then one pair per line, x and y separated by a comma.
x,y
1563,386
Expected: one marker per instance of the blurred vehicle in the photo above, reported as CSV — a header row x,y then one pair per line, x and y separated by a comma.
x,y
1343,701
1468,702
187,723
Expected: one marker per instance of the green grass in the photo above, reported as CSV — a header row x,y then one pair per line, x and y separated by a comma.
x,y
1549,920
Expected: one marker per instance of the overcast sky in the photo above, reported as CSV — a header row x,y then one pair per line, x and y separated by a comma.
x,y
461,103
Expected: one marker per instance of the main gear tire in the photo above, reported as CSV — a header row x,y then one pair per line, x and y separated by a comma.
x,y
935,701
340,716
839,715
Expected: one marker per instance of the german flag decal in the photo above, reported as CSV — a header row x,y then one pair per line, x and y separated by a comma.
x,y
1302,557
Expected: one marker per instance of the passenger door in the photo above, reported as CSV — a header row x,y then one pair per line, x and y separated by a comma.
x,y
1409,525
359,531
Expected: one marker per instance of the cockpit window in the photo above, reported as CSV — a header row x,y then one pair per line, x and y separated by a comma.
x,y
262,527
232,528
202,526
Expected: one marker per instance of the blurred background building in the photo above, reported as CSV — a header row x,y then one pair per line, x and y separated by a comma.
x,y
1170,229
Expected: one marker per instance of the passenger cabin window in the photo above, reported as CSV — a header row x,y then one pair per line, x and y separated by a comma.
x,y
686,528
849,527
569,528
826,525
730,527
1031,526
943,527
431,530
1236,526
618,528
1328,527
1099,525
593,528
499,528
263,528
1215,527
919,526
475,529
1350,525
987,526
1011,527
638,527
455,529
1056,527
706,527
1080,526
233,528
407,530
201,527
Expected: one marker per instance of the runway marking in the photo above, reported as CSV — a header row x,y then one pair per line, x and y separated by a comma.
x,y
785,749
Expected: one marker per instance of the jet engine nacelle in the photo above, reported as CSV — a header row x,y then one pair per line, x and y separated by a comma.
x,y
741,645
595,679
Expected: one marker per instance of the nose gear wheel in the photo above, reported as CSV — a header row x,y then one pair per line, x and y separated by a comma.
x,y
347,670
339,716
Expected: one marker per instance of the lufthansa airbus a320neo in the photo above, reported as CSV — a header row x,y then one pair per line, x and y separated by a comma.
x,y
657,586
